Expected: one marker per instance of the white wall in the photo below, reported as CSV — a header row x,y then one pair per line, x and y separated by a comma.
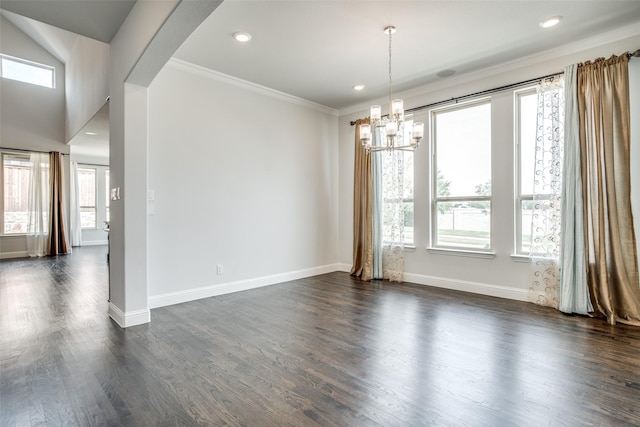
x,y
87,83
31,117
128,164
240,178
500,276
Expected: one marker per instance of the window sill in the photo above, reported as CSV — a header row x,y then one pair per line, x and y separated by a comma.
x,y
13,235
462,252
408,248
520,258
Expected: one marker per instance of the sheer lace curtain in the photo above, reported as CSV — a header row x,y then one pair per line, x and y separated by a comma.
x,y
393,215
39,205
546,217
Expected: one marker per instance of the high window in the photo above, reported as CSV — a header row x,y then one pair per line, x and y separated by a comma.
x,y
27,71
87,190
16,171
461,168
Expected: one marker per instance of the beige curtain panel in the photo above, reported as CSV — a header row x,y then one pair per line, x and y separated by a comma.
x,y
362,213
57,233
603,107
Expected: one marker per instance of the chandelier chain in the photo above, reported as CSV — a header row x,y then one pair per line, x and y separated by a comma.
x,y
390,32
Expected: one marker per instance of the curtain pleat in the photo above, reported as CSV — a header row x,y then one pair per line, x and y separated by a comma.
x,y
574,292
603,104
57,236
362,210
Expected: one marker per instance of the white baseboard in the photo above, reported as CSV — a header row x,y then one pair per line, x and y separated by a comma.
x,y
344,267
95,243
171,298
132,318
11,255
467,286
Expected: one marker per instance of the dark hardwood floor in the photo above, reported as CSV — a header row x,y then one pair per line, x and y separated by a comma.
x,y
328,350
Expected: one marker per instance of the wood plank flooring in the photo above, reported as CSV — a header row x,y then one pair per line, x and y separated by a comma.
x,y
323,351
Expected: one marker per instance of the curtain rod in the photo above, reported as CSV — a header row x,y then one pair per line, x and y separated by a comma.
x,y
494,90
30,151
476,94
91,164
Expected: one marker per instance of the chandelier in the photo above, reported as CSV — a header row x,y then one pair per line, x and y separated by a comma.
x,y
394,124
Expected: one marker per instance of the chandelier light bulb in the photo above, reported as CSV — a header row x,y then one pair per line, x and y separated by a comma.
x,y
376,112
391,129
365,133
418,130
397,107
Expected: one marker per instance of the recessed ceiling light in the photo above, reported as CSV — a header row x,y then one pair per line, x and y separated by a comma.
x,y
242,37
358,87
91,133
551,22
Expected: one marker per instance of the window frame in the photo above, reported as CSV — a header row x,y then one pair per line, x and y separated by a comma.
x,y
520,197
4,153
30,64
435,199
95,198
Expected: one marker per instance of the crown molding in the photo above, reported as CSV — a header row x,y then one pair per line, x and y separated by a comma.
x,y
244,84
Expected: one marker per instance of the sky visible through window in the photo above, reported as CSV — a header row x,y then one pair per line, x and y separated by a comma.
x,y
27,72
528,112
463,137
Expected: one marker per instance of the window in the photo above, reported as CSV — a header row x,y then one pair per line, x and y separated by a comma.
x,y
87,189
461,201
16,171
526,111
26,71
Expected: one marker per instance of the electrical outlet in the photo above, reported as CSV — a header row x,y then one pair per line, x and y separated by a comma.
x,y
220,269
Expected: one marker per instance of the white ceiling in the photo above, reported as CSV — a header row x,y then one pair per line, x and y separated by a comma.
x,y
96,19
317,50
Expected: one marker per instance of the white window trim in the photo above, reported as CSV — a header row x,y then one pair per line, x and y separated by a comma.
x,y
95,192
